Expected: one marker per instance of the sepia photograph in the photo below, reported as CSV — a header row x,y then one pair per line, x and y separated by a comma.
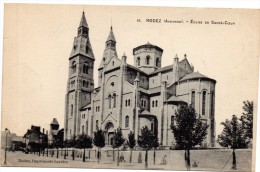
x,y
129,87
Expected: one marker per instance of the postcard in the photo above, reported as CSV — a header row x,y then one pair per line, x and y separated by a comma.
x,y
130,87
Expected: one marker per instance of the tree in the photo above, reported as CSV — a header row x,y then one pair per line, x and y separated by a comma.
x,y
247,119
131,143
147,140
99,141
84,141
155,145
44,143
72,144
189,130
58,141
118,140
232,136
66,145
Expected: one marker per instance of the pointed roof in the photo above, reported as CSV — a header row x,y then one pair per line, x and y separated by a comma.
x,y
54,122
148,45
83,21
111,36
145,112
79,47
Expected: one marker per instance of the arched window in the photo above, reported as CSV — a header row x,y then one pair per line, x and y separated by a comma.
x,y
85,69
73,66
157,62
83,129
71,110
193,99
153,103
138,61
203,102
113,63
152,126
156,103
128,102
147,60
87,49
172,120
127,121
84,83
97,125
212,103
109,101
87,84
114,96
142,102
91,124
86,127
125,103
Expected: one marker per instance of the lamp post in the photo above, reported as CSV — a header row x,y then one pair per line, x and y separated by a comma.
x,y
6,133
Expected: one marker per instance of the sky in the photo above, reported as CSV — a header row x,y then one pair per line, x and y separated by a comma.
x,y
38,40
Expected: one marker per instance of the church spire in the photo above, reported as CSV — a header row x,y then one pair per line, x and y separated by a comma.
x,y
83,26
111,36
110,49
83,21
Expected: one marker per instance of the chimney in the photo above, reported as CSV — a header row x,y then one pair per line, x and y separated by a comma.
x,y
42,130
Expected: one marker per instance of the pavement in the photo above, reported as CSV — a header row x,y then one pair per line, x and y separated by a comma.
x,y
20,159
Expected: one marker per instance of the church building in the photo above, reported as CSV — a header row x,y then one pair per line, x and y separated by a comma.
x,y
132,96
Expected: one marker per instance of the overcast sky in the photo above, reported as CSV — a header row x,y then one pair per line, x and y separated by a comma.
x,y
38,40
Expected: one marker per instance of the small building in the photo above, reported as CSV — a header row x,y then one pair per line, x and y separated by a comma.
x,y
55,135
17,143
34,138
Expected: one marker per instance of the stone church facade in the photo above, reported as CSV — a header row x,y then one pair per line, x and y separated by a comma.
x,y
132,96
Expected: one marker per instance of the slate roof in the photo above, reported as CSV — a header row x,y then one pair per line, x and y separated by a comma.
x,y
83,21
55,121
173,99
195,75
79,47
148,45
111,36
165,68
86,107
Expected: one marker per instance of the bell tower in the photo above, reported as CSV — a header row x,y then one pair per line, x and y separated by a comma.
x,y
80,83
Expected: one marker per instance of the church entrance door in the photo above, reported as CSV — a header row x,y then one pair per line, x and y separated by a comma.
x,y
109,129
